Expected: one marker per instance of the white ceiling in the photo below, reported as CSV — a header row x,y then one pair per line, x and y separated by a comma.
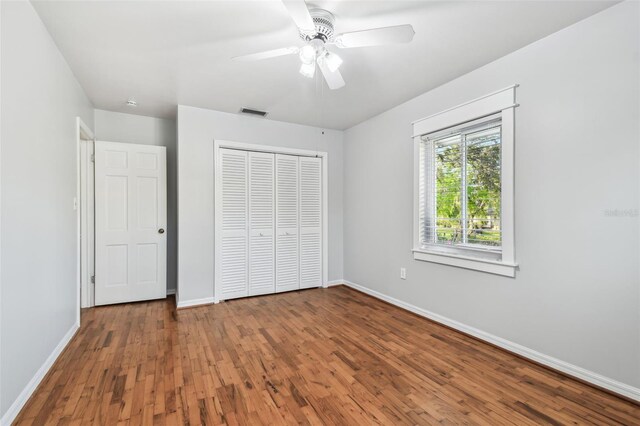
x,y
178,52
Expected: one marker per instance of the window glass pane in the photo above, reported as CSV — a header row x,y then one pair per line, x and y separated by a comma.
x,y
460,188
483,187
448,190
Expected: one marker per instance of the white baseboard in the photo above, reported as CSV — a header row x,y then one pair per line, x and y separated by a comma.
x,y
210,300
171,291
194,302
24,396
557,364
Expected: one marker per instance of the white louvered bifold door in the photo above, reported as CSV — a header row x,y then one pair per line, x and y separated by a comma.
x,y
287,203
261,223
235,217
310,222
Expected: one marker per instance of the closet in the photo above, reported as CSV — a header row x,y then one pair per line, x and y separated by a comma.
x,y
269,224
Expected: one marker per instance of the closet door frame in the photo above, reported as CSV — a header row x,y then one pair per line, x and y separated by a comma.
x,y
220,144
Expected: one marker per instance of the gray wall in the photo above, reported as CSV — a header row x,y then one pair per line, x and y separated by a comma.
x,y
576,296
40,102
119,127
197,129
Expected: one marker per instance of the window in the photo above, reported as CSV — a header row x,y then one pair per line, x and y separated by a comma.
x,y
460,188
464,186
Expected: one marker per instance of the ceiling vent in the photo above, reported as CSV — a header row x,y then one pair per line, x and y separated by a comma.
x,y
255,112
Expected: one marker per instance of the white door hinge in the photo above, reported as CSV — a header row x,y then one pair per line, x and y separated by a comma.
x,y
93,158
93,279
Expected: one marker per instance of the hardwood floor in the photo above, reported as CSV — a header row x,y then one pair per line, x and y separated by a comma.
x,y
322,356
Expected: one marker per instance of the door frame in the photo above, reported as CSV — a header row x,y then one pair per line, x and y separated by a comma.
x,y
219,144
84,197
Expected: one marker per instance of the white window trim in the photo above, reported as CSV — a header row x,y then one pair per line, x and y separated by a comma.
x,y
504,102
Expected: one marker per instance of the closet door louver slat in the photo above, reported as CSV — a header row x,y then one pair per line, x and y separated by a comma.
x,y
234,244
261,224
287,223
310,222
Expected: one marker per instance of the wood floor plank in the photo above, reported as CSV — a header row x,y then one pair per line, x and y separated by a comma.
x,y
322,356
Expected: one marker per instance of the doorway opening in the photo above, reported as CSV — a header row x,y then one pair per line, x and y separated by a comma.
x,y
84,205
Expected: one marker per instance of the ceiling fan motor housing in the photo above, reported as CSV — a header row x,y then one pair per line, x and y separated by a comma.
x,y
324,21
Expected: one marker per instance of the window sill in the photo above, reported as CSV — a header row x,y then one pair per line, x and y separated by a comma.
x,y
461,261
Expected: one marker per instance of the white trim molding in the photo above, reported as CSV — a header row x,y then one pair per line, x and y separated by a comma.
x,y
194,302
500,104
533,355
84,250
334,283
467,262
480,107
171,291
28,390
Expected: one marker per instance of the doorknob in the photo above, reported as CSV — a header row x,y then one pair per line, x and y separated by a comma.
x,y
160,231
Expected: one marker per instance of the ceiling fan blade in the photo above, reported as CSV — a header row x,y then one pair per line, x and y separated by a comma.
x,y
267,54
300,15
376,37
334,79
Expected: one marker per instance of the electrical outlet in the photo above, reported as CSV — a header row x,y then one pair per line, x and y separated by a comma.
x,y
403,273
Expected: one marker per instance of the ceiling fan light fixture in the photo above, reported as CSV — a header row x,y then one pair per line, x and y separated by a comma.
x,y
308,54
316,29
333,61
308,70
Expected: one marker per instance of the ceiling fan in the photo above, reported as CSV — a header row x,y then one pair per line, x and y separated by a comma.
x,y
316,27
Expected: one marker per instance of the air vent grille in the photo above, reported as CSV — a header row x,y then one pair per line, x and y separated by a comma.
x,y
255,112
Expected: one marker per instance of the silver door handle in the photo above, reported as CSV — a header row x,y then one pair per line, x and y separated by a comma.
x,y
161,231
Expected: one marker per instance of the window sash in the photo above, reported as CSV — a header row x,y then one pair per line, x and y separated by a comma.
x,y
428,190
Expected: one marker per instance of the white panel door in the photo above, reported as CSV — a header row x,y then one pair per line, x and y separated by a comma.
x,y
130,222
287,222
261,223
310,222
233,261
